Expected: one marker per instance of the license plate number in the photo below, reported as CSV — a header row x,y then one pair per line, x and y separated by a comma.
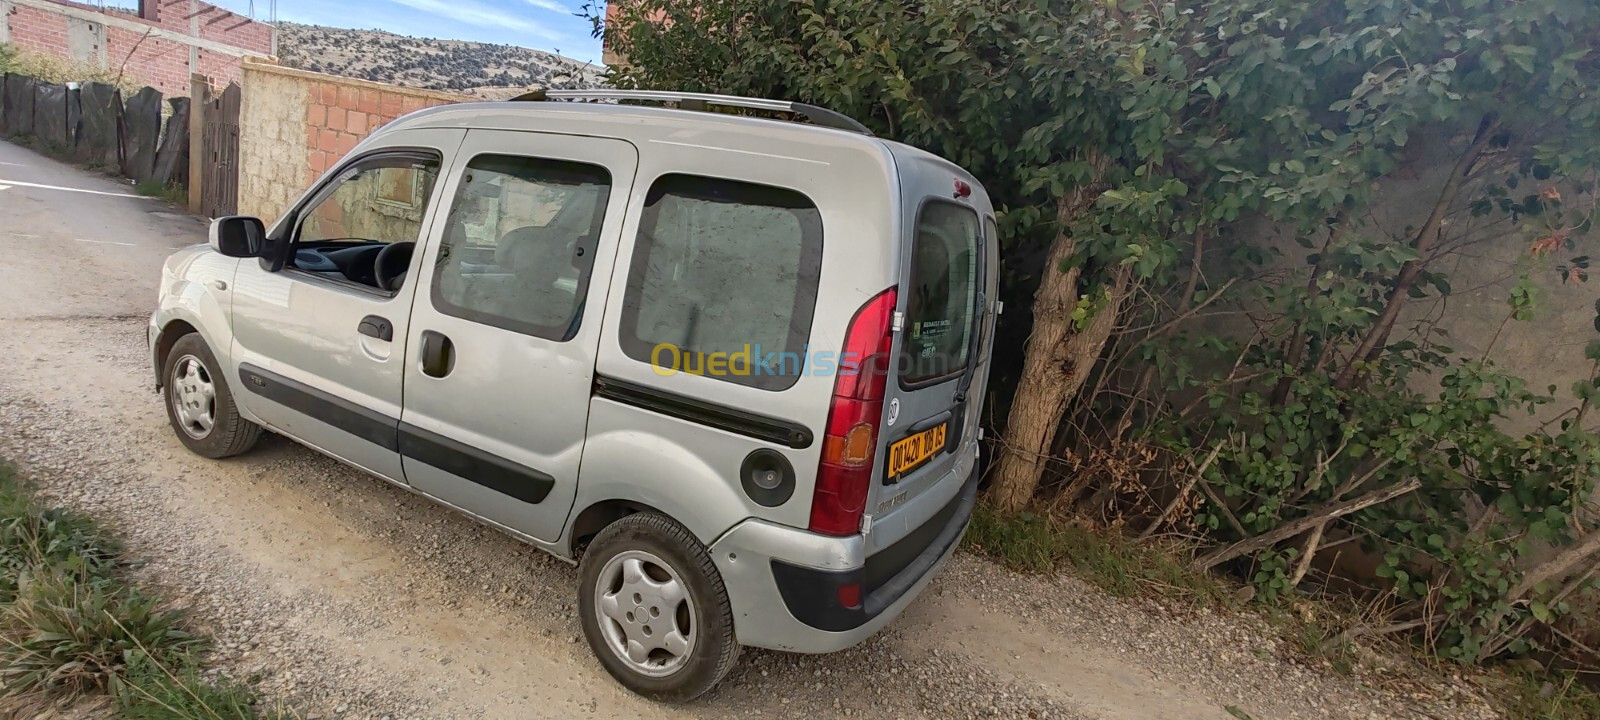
x,y
911,452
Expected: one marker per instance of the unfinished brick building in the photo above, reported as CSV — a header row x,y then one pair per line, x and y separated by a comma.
x,y
160,44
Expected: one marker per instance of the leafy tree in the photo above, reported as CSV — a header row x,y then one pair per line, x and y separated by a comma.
x,y
1157,164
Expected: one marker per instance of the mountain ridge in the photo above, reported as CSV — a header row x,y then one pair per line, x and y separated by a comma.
x,y
480,69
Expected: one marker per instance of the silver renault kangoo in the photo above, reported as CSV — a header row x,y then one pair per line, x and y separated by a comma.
x,y
725,354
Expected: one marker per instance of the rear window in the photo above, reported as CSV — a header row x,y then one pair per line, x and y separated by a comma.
x,y
943,292
723,281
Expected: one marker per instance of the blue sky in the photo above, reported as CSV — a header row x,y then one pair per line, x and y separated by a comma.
x,y
540,24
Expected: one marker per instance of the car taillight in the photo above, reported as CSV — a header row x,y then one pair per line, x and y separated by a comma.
x,y
851,438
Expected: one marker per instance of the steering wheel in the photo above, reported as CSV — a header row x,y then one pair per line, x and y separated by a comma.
x,y
391,264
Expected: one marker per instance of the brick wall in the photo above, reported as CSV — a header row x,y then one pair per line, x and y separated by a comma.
x,y
156,60
295,125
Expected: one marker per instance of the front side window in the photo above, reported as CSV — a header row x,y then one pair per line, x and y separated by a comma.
x,y
378,201
723,281
943,293
375,203
520,242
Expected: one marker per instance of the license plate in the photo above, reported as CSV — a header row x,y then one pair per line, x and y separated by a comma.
x,y
911,452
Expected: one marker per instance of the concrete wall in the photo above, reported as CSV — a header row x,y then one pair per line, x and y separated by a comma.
x,y
295,125
185,37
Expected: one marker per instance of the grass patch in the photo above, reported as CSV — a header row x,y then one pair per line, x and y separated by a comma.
x,y
170,194
1122,567
153,692
1314,631
1550,696
72,628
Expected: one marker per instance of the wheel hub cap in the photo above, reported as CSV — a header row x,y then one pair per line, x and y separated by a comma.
x,y
645,613
194,397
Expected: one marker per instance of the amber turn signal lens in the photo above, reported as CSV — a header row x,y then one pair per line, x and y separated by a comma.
x,y
852,450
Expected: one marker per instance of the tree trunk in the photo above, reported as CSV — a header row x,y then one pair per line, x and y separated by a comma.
x,y
1057,357
1427,238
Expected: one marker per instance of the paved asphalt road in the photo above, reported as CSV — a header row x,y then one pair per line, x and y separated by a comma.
x,y
79,245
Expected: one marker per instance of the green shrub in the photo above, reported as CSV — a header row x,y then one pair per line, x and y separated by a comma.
x,y
72,627
56,70
31,539
69,634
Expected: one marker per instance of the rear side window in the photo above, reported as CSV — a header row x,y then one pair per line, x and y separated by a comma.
x,y
723,281
943,293
519,244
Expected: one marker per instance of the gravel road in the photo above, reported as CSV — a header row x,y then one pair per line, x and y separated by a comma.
x,y
349,598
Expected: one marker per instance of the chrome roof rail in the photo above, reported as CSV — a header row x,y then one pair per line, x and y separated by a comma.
x,y
699,101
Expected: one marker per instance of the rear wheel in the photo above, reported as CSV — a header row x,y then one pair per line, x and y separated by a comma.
x,y
200,405
654,609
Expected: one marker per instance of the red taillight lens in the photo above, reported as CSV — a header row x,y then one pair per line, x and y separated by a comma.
x,y
851,438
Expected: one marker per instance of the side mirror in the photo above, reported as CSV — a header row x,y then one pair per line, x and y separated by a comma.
x,y
238,236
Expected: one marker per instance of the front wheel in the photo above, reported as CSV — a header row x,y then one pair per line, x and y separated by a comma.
x,y
654,609
200,405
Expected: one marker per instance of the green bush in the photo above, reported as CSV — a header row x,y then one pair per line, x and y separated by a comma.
x,y
1221,181
69,634
53,539
73,627
55,70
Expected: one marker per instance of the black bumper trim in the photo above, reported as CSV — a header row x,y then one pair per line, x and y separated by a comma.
x,y
812,595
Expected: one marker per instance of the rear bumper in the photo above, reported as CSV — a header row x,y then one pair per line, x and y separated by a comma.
x,y
785,583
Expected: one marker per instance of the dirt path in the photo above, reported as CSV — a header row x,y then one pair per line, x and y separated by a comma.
x,y
356,599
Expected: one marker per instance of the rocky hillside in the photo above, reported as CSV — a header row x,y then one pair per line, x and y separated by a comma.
x,y
458,66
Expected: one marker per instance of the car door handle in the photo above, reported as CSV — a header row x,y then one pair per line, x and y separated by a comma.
x,y
438,354
376,327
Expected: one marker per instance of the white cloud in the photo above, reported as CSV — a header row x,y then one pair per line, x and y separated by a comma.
x,y
550,5
472,13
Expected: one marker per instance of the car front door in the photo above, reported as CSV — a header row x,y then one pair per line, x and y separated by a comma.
x,y
506,325
319,328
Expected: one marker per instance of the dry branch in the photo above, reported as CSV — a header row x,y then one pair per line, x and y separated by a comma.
x,y
1288,530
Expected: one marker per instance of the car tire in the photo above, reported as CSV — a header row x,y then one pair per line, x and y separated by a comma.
x,y
631,579
200,403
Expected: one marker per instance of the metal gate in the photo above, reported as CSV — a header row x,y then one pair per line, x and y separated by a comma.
x,y
219,156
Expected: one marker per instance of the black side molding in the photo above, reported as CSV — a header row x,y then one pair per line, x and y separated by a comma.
x,y
463,460
457,458
722,417
365,423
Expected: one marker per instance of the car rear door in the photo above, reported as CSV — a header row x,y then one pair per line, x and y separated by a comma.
x,y
506,324
932,401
